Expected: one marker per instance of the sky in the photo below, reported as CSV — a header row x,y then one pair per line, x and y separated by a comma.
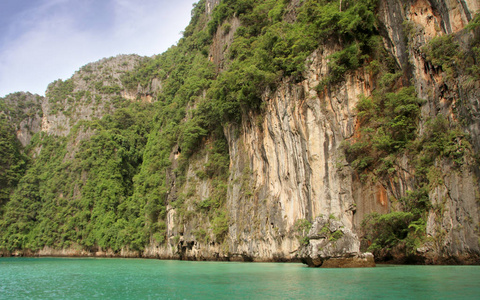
x,y
45,40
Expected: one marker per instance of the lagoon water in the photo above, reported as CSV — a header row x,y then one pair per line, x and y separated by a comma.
x,y
84,278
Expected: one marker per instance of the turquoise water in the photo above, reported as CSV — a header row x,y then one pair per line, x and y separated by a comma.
x,y
85,278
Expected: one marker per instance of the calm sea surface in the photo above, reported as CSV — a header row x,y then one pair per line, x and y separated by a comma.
x,y
84,278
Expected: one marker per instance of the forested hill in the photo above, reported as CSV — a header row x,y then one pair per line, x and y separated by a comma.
x,y
267,119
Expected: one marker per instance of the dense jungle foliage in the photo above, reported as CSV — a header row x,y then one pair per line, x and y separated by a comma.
x,y
109,182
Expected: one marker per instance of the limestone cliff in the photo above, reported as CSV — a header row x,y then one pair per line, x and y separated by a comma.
x,y
260,185
92,92
453,221
292,155
287,163
24,111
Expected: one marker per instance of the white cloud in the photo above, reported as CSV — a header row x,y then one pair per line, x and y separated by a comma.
x,y
149,28
59,43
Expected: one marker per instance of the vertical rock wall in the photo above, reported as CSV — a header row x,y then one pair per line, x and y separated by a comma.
x,y
287,163
453,221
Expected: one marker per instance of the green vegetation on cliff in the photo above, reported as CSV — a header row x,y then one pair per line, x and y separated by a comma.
x,y
12,161
81,197
390,130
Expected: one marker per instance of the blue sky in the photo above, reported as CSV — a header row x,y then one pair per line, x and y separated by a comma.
x,y
45,40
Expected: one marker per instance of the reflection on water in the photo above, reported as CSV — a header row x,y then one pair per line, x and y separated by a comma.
x,y
60,278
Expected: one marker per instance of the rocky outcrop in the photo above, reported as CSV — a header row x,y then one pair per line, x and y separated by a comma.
x,y
24,111
91,93
330,244
222,41
453,223
210,5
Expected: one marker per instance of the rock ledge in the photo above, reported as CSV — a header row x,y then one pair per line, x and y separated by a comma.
x,y
332,245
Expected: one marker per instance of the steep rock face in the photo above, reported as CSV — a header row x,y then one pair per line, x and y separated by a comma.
x,y
409,28
452,221
222,41
93,91
291,153
454,14
27,114
290,156
210,5
187,233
